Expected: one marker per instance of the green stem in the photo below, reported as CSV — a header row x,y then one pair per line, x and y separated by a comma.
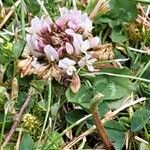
x,y
79,129
55,119
144,69
3,127
70,127
143,1
75,124
116,75
47,113
4,37
136,59
23,18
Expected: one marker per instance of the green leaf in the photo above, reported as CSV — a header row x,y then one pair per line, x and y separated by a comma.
x,y
90,6
18,48
52,6
118,37
103,108
139,119
124,10
4,59
5,52
83,97
116,132
9,146
26,142
42,105
145,89
8,123
54,144
75,115
38,85
111,87
33,6
144,146
54,109
147,73
120,11
124,121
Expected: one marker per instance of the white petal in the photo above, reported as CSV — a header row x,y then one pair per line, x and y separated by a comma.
x,y
69,48
35,43
32,41
94,41
68,62
72,25
92,61
62,65
51,53
29,30
63,11
88,56
88,61
77,41
90,68
71,70
82,62
28,38
46,19
70,32
68,65
85,46
46,22
36,64
36,24
35,53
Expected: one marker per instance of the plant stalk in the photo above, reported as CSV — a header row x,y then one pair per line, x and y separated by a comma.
x,y
98,123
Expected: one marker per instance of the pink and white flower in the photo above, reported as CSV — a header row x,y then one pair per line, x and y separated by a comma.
x,y
63,42
88,61
67,65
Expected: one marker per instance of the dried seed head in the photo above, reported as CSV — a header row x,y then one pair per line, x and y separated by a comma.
x,y
75,83
15,88
25,66
103,52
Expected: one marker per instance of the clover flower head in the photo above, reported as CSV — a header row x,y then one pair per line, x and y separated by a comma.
x,y
64,43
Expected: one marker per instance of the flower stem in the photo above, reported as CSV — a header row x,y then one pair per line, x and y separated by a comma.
x,y
23,18
3,126
70,127
47,113
116,75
